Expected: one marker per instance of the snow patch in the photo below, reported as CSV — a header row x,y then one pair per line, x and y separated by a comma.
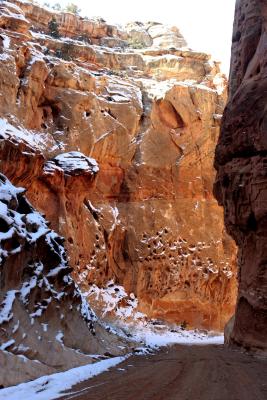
x,y
51,386
5,57
35,140
126,321
163,335
59,337
74,162
16,327
6,41
110,298
5,345
6,311
115,213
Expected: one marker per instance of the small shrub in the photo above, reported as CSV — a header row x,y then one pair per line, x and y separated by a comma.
x,y
135,44
65,52
57,7
58,53
53,28
184,325
72,8
84,38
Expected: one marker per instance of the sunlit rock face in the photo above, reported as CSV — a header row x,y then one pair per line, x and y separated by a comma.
x,y
142,125
241,172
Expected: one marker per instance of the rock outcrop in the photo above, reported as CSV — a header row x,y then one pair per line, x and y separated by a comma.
x,y
95,31
45,323
143,213
154,34
241,183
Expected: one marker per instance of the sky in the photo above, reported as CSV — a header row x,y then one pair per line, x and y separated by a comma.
x,y
205,24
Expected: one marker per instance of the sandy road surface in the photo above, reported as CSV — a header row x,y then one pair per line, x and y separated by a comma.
x,y
182,373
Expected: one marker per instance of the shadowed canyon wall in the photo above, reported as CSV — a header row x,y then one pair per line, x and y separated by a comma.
x,y
45,324
114,143
241,163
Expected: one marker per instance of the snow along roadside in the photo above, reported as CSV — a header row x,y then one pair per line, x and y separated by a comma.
x,y
49,387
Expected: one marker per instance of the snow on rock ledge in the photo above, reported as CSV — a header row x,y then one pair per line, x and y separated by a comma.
x,y
75,163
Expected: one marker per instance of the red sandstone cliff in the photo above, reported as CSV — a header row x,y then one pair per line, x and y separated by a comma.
x,y
150,118
241,182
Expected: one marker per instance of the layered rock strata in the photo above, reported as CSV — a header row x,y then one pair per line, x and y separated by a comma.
x,y
145,217
241,182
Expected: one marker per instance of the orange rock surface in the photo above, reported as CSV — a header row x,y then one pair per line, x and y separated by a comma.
x,y
150,118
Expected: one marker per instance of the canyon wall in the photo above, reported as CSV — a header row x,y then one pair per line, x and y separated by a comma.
x,y
45,324
115,145
241,163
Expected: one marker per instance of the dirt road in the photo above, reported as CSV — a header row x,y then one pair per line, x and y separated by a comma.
x,y
180,373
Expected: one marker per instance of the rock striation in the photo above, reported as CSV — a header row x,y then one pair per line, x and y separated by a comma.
x,y
241,180
142,214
